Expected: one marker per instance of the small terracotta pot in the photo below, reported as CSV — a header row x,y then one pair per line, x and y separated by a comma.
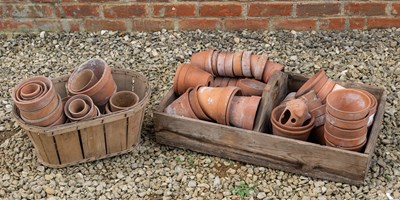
x,y
195,105
200,59
48,119
373,107
251,87
253,60
258,68
232,82
345,133
270,69
221,82
78,108
317,135
31,91
246,66
348,104
84,80
288,97
299,135
326,89
42,112
215,102
237,64
214,63
221,64
43,90
229,65
344,142
295,113
312,82
243,111
123,100
91,112
345,124
356,148
188,76
181,106
277,112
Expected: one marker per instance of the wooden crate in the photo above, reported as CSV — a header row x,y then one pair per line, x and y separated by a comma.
x,y
264,149
100,137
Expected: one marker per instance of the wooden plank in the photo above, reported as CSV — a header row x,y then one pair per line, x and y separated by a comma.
x,y
307,156
116,135
46,147
177,140
274,92
120,80
69,147
377,125
93,142
37,144
134,128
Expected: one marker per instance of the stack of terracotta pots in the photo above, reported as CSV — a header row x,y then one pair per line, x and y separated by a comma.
x,y
347,115
238,64
38,102
249,87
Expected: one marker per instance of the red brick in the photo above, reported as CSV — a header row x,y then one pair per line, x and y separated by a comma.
x,y
220,9
152,24
396,9
16,25
357,23
52,25
317,9
193,24
251,24
383,22
81,10
366,8
125,11
295,24
174,10
94,1
269,9
28,11
332,24
103,24
70,25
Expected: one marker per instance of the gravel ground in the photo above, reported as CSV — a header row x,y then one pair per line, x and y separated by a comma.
x,y
154,171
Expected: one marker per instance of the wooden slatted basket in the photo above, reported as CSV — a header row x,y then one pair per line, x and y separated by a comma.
x,y
100,137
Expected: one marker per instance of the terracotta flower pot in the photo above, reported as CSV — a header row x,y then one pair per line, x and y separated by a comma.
x,y
237,64
188,76
326,89
295,113
181,106
229,64
31,91
232,82
123,100
348,104
251,87
40,101
202,58
270,69
42,91
319,114
338,87
195,105
258,68
243,111
214,64
344,142
84,80
221,82
311,100
80,111
299,135
355,148
317,135
253,60
103,89
221,64
107,109
78,108
345,133
216,102
277,112
374,105
345,124
61,120
317,80
246,64
48,119
288,97
42,112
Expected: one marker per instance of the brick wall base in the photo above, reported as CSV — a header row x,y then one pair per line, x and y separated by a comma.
x,y
153,15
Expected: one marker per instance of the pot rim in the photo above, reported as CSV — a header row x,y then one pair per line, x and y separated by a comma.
x,y
343,112
310,83
134,95
310,124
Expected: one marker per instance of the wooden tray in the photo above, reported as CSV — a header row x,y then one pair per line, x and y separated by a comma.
x,y
264,149
100,137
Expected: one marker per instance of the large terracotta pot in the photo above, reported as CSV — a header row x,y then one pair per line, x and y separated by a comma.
x,y
84,80
195,104
318,80
123,100
251,87
243,111
79,110
348,104
270,69
103,89
188,76
258,68
49,119
181,106
216,102
237,64
295,113
202,59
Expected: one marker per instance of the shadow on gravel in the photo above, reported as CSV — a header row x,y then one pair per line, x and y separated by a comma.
x,y
5,135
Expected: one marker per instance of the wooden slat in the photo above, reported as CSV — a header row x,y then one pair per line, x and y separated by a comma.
x,y
134,128
69,147
93,142
116,135
120,80
37,144
46,147
274,92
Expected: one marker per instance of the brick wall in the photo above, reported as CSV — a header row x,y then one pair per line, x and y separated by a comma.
x,y
152,15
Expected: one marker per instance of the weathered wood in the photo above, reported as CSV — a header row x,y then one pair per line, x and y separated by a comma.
x,y
120,80
134,129
93,142
46,147
274,92
116,135
69,147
